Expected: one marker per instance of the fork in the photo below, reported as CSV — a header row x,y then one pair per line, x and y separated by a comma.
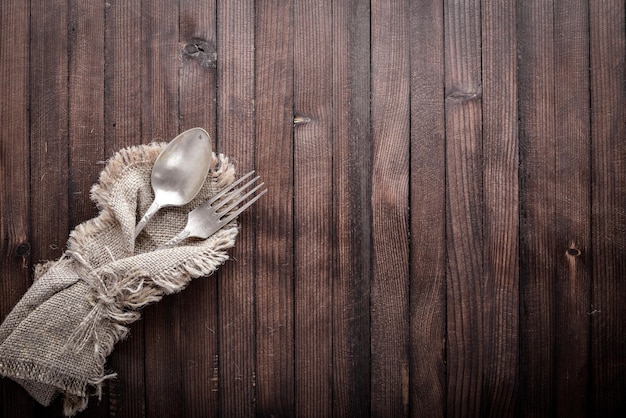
x,y
211,216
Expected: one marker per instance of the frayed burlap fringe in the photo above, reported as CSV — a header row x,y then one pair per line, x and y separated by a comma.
x,y
106,277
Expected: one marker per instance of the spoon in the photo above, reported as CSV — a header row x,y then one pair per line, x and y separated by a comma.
x,y
179,172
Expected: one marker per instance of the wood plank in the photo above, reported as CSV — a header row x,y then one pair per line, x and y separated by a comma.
x,y
351,207
122,128
390,201
313,205
500,286
464,217
235,138
573,198
14,148
608,162
49,129
15,248
159,121
537,206
123,74
274,251
86,106
198,303
428,212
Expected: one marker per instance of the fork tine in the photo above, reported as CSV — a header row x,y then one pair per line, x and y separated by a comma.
x,y
238,201
229,188
233,215
234,195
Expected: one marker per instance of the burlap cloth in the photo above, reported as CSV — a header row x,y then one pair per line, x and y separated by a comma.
x,y
56,339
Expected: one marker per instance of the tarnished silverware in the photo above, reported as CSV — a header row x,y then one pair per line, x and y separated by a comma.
x,y
179,172
219,210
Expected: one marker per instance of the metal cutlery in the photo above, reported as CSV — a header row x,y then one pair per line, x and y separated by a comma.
x,y
219,210
179,172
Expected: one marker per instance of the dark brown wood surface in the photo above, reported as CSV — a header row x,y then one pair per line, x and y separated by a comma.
x,y
444,232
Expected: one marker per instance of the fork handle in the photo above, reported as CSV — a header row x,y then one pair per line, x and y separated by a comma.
x,y
178,238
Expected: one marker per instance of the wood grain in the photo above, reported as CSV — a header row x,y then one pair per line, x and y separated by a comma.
x,y
390,110
428,213
275,390
573,199
49,130
500,149
313,206
465,209
538,244
86,106
14,148
235,137
123,69
351,208
608,162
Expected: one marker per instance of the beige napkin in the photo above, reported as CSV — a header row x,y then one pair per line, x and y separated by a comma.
x,y
56,339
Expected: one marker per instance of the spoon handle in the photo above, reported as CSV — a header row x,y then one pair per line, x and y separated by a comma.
x,y
154,207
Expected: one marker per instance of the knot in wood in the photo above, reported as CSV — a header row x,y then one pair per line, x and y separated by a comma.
x,y
201,51
463,96
574,252
23,250
301,119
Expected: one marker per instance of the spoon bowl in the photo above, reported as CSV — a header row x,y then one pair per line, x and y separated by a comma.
x,y
179,172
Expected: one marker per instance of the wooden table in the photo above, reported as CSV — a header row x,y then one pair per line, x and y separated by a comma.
x,y
445,228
